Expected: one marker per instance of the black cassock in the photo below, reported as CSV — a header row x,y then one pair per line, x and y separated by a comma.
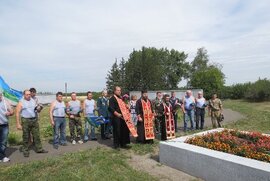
x,y
163,131
120,129
140,124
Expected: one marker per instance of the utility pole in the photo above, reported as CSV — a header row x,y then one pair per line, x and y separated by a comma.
x,y
66,89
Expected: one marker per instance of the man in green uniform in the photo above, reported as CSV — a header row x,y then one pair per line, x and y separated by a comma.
x,y
215,110
26,118
156,106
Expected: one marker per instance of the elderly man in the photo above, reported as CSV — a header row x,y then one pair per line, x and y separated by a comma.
x,y
26,118
188,109
200,110
102,107
215,111
5,111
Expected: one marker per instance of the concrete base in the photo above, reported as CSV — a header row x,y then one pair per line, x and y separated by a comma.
x,y
209,164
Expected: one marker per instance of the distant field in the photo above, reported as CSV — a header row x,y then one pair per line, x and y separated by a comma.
x,y
257,115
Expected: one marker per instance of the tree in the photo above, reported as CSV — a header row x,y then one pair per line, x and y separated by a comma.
x,y
211,80
200,61
151,68
113,76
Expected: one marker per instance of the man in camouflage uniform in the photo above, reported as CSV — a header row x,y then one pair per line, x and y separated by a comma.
x,y
74,109
215,111
26,119
156,106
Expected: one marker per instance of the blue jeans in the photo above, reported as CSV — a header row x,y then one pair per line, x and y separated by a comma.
x,y
189,115
3,140
59,125
86,129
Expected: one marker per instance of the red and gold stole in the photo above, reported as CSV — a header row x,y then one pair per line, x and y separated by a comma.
x,y
148,120
169,121
126,115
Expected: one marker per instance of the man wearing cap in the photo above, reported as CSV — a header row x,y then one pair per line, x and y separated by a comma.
x,y
26,119
5,111
188,109
200,110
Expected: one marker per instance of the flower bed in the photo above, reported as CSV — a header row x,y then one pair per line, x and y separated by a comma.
x,y
246,144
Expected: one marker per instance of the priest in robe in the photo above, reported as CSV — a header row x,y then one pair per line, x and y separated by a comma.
x,y
145,124
121,120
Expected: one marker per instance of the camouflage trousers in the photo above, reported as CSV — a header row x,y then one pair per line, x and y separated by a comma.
x,y
75,125
30,126
215,118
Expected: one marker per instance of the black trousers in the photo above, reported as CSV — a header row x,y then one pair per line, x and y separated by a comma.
x,y
175,117
120,132
200,114
104,130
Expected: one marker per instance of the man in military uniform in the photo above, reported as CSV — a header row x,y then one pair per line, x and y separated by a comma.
x,y
156,106
26,119
74,109
102,107
215,111
174,102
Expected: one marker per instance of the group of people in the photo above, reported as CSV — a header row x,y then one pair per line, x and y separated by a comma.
x,y
144,119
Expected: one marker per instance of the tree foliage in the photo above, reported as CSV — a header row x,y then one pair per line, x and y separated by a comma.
x,y
149,68
204,75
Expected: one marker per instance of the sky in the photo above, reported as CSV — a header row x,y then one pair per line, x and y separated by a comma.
x,y
44,44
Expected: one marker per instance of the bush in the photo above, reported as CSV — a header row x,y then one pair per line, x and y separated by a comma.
x,y
14,139
259,91
48,131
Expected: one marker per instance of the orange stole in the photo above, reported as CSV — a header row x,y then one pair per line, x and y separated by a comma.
x,y
169,121
127,117
148,120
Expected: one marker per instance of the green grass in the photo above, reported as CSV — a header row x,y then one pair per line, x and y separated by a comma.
x,y
97,164
143,149
257,115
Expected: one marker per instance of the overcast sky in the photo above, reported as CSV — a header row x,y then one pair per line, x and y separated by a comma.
x,y
47,43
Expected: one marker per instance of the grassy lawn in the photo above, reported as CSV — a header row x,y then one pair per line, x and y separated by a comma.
x,y
107,164
257,115
97,164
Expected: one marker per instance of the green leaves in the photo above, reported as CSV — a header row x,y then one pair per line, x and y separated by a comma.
x,y
150,68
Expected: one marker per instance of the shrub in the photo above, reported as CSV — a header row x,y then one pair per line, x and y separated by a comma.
x,y
259,91
48,131
14,139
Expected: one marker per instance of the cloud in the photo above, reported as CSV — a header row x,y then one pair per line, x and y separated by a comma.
x,y
47,43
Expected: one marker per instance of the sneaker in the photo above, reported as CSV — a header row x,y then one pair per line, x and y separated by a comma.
x,y
63,144
55,147
94,139
74,142
6,159
80,142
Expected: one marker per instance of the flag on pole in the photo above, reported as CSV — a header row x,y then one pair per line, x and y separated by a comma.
x,y
10,94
